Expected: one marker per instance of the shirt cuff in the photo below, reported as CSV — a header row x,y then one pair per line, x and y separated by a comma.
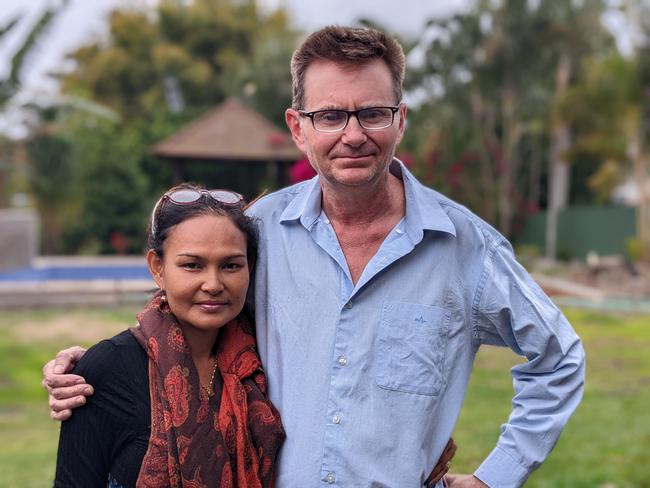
x,y
501,470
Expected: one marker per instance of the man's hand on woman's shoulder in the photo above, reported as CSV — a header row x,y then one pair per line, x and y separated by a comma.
x,y
65,391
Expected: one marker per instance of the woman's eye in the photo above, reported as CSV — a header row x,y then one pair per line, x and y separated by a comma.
x,y
233,266
191,266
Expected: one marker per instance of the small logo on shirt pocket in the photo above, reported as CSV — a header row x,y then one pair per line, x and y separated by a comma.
x,y
411,348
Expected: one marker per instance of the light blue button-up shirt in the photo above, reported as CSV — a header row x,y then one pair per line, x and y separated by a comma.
x,y
370,378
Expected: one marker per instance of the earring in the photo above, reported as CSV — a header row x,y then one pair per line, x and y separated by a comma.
x,y
163,297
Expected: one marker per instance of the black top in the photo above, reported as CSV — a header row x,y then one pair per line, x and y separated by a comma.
x,y
104,442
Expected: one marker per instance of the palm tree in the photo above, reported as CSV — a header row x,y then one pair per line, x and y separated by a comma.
x,y
10,85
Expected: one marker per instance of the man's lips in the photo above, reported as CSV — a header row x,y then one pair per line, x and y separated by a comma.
x,y
351,157
343,151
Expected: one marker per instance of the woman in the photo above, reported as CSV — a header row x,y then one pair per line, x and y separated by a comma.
x,y
180,399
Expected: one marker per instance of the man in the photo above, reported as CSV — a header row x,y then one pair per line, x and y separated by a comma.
x,y
373,294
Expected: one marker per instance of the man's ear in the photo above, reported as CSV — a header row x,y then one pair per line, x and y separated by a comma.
x,y
293,120
155,264
402,121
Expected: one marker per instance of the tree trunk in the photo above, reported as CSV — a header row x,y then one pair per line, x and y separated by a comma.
x,y
637,154
641,170
4,201
534,179
509,163
559,176
483,131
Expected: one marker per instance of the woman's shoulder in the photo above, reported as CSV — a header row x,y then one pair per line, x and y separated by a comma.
x,y
110,357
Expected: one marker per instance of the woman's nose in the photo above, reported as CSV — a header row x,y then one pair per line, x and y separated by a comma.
x,y
212,283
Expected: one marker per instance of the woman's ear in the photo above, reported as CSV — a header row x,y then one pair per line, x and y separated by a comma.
x,y
155,264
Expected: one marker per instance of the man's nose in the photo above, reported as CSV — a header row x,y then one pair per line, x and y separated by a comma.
x,y
354,134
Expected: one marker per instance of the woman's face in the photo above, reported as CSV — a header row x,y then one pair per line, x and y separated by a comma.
x,y
204,271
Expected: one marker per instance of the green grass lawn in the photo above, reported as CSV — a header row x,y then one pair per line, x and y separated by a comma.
x,y
606,444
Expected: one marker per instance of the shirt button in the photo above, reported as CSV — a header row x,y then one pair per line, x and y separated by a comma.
x,y
399,231
348,305
327,222
336,419
330,478
343,360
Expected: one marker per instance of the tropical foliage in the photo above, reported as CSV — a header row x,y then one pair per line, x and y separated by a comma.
x,y
11,83
158,70
518,106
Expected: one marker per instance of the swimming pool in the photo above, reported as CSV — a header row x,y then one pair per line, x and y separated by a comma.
x,y
71,280
76,273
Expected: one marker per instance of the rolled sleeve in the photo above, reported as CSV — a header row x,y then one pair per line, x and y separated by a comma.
x,y
511,310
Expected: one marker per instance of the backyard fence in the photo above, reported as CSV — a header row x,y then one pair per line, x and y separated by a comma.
x,y
605,230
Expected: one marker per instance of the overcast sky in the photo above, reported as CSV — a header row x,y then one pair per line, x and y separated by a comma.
x,y
82,20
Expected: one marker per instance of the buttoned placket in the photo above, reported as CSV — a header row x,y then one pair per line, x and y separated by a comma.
x,y
325,236
335,422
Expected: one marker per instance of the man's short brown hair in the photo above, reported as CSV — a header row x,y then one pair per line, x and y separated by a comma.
x,y
346,45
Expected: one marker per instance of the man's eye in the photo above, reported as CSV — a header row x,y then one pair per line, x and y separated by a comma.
x,y
331,116
374,114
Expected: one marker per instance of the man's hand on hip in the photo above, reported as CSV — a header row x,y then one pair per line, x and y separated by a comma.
x,y
442,466
66,391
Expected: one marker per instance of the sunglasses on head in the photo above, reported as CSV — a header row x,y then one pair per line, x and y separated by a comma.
x,y
189,196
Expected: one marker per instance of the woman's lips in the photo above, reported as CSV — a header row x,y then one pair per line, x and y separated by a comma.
x,y
212,307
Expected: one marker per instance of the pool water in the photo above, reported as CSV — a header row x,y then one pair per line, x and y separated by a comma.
x,y
77,273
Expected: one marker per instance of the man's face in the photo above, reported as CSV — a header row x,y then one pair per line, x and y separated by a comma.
x,y
355,156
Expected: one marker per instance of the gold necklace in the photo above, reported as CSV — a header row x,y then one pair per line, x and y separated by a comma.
x,y
209,390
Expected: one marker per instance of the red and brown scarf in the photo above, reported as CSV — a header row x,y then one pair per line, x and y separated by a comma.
x,y
228,440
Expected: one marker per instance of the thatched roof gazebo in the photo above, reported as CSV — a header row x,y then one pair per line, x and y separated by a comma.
x,y
232,146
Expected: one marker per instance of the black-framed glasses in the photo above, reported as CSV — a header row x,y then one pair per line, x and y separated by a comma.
x,y
371,118
188,196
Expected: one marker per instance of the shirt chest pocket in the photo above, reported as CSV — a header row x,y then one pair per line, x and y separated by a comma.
x,y
411,347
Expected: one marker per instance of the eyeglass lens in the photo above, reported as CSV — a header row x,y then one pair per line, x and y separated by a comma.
x,y
191,196
370,118
226,196
185,196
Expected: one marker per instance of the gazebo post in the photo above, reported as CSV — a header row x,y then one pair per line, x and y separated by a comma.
x,y
283,173
272,172
177,171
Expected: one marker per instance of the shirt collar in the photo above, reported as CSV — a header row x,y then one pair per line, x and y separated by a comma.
x,y
306,205
423,208
423,211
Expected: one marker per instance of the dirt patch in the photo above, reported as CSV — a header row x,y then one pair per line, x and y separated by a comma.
x,y
615,277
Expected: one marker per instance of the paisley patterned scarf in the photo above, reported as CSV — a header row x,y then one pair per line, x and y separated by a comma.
x,y
230,439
